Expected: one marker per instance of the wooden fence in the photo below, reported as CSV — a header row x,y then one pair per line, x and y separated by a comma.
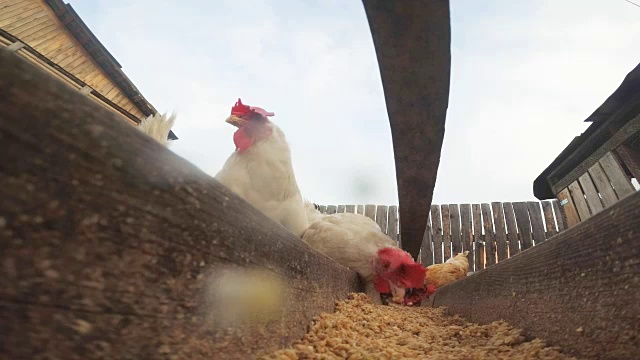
x,y
491,232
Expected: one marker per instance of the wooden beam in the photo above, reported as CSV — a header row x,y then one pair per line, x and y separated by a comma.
x,y
412,39
577,290
631,158
109,240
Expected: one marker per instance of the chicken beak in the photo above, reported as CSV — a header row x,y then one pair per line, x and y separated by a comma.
x,y
236,121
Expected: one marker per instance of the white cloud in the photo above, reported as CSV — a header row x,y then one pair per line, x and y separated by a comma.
x,y
525,74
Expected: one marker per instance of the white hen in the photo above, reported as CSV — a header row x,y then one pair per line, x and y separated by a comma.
x,y
158,127
260,170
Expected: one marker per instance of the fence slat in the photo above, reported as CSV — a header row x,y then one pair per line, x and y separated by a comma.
x,y
360,210
381,217
568,208
370,211
331,209
322,209
512,229
341,208
489,238
630,158
477,236
621,183
501,230
446,232
467,233
426,250
392,226
436,231
456,245
535,215
560,216
579,201
593,199
603,185
550,224
522,219
350,209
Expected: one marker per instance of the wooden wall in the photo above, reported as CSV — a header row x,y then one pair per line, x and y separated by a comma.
x,y
35,24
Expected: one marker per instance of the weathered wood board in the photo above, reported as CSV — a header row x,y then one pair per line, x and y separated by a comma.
x,y
412,39
108,240
578,290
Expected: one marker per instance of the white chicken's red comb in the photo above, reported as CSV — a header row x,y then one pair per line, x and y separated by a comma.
x,y
240,109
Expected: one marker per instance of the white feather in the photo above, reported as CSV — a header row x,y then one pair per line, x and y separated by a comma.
x,y
158,127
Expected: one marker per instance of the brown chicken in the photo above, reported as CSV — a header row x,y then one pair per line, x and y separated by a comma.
x,y
454,269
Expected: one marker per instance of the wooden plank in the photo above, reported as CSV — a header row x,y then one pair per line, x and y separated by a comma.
x,y
549,221
521,211
478,238
16,9
446,232
566,291
381,217
489,236
570,212
593,199
631,159
24,18
370,211
412,39
331,209
537,224
512,229
121,244
426,250
500,231
393,222
467,233
456,235
360,209
341,208
436,232
322,208
620,181
20,27
603,185
579,200
350,209
560,216
18,17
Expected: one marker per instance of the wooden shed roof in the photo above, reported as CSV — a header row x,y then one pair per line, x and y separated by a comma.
x,y
625,98
81,32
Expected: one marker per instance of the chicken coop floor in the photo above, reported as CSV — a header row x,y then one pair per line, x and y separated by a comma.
x,y
361,330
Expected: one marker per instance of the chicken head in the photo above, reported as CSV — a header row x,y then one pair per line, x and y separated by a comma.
x,y
396,271
252,123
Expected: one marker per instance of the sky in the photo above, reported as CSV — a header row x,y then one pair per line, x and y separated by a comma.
x,y
525,74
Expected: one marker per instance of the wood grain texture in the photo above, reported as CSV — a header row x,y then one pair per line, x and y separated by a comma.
x,y
537,224
436,232
521,211
467,232
108,239
579,200
500,230
341,208
603,185
392,228
591,194
549,219
456,243
412,39
370,211
446,232
620,181
578,290
489,240
331,209
478,238
350,209
631,158
512,229
560,216
381,217
360,210
568,208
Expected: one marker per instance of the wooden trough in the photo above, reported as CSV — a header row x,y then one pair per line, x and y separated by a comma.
x,y
107,241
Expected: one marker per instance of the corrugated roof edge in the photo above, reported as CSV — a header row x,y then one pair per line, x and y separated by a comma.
x,y
101,55
627,89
